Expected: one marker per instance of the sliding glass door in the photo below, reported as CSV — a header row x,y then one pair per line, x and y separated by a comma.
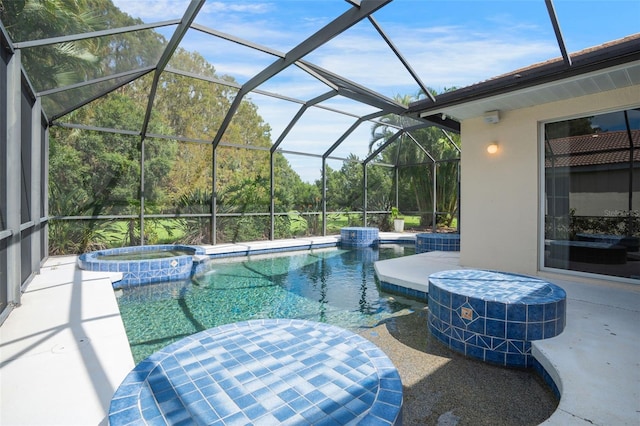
x,y
592,194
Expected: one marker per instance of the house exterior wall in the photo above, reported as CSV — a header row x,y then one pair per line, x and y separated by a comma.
x,y
500,200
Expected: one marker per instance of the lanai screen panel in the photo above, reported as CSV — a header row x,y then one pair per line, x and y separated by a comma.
x,y
203,53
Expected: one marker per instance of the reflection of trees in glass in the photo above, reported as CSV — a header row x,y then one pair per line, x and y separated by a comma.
x,y
563,129
590,182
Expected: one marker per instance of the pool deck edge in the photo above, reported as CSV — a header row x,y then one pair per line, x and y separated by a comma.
x,y
64,351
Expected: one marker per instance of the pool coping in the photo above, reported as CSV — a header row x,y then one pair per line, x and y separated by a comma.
x,y
599,380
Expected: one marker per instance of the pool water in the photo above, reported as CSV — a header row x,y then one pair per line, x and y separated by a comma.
x,y
334,286
144,255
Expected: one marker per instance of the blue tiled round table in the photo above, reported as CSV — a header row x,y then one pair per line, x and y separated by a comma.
x,y
494,316
263,372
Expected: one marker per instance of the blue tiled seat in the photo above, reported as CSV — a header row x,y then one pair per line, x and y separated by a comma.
x,y
263,372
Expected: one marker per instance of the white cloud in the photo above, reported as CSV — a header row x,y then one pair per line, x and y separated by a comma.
x,y
153,10
242,7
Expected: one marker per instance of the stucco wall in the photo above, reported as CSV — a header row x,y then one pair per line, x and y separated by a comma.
x,y
500,193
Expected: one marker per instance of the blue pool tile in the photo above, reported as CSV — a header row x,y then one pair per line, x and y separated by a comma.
x,y
516,330
535,331
516,360
123,403
445,298
550,312
177,416
457,300
535,312
517,312
390,397
496,310
314,415
284,413
124,417
342,416
477,326
499,345
475,351
245,401
385,411
516,346
457,321
479,306
368,398
495,357
495,328
445,314
549,329
457,345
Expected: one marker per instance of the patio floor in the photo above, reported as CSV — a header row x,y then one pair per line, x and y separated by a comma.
x,y
64,351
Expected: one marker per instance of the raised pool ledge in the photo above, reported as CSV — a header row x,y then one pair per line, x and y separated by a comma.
x,y
359,236
139,271
426,242
493,316
263,372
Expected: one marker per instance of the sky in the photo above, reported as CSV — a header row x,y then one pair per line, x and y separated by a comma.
x,y
451,43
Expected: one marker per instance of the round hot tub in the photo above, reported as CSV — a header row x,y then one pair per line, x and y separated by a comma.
x,y
494,316
143,264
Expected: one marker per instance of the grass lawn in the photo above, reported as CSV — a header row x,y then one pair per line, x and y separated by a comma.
x,y
167,231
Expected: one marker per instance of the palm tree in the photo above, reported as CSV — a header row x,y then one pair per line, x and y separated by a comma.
x,y
58,64
415,154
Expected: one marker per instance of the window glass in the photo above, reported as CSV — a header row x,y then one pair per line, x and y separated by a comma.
x,y
592,194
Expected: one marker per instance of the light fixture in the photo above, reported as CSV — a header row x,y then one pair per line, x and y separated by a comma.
x,y
492,117
492,148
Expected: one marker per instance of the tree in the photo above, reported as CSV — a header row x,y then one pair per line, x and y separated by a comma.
x,y
98,173
414,155
62,63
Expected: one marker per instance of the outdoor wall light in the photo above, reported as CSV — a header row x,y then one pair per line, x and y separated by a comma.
x,y
492,148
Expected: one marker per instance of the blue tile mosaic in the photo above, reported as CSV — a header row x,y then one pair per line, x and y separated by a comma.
x,y
538,368
316,373
359,236
405,291
426,242
494,316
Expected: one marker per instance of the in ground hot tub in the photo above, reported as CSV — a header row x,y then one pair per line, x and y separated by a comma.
x,y
494,316
143,264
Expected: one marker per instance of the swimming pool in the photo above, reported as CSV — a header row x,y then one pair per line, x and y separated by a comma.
x,y
335,286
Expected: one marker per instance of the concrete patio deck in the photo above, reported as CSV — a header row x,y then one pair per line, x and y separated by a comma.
x,y
64,351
